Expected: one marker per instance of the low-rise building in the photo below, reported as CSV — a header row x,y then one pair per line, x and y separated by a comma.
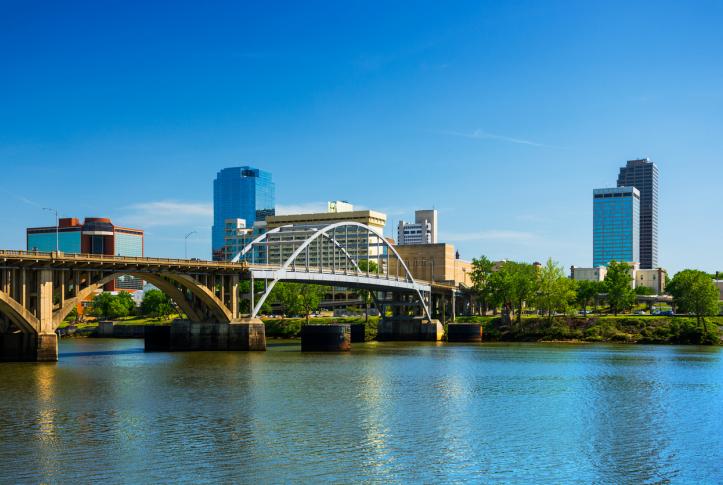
x,y
719,284
435,263
588,274
95,235
652,278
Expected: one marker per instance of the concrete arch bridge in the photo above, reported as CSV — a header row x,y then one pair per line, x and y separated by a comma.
x,y
38,290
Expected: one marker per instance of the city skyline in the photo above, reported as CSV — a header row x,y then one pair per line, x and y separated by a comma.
x,y
505,134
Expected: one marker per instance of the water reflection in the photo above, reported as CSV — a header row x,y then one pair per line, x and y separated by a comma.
x,y
384,412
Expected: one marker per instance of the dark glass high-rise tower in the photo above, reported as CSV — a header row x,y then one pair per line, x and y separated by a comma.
x,y
240,193
643,175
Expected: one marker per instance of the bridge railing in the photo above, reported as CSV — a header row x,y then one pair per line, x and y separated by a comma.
x,y
331,271
111,258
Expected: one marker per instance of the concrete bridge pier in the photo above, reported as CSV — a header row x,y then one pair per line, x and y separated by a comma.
x,y
408,328
18,346
184,335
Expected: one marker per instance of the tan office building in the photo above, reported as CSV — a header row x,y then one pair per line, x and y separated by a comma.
x,y
374,219
357,241
435,262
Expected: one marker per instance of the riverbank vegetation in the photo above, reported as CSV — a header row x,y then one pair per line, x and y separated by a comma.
x,y
517,289
622,329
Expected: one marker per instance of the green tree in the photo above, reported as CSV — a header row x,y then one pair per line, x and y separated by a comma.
x,y
644,290
501,292
117,308
617,284
287,295
555,291
309,298
73,315
100,305
106,305
511,286
694,292
156,304
586,292
481,274
524,285
126,300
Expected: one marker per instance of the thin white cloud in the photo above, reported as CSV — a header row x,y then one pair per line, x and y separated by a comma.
x,y
489,235
167,213
484,135
20,198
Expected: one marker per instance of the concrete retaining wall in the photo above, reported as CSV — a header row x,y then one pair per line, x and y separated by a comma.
x,y
358,332
464,332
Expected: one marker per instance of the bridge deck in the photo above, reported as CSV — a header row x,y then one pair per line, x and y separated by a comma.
x,y
60,259
348,279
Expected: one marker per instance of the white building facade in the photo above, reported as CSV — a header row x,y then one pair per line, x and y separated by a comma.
x,y
422,231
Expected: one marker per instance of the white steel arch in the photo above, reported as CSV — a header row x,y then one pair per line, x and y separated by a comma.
x,y
279,273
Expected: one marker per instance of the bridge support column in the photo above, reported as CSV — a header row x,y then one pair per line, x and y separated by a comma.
x,y
47,340
454,306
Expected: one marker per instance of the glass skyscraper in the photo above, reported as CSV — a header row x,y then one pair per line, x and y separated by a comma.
x,y
643,175
616,225
240,193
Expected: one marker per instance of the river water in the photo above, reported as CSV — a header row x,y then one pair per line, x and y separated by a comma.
x,y
384,412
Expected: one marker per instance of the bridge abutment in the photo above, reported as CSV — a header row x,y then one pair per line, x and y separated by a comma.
x,y
403,328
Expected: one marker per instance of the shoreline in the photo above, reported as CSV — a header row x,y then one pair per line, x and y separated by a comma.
x,y
627,329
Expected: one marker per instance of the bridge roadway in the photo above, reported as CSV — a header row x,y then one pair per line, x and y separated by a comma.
x,y
39,289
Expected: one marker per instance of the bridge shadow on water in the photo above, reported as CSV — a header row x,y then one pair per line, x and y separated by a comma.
x,y
102,352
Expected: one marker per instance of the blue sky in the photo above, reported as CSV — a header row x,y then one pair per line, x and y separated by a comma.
x,y
502,115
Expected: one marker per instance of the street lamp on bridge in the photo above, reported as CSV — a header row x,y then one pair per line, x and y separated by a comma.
x,y
57,224
185,244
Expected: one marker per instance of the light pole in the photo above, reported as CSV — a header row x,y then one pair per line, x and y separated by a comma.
x,y
185,244
57,236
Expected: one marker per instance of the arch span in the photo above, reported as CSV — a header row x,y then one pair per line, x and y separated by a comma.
x,y
324,232
17,314
165,283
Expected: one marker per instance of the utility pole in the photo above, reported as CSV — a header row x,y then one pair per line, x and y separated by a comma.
x,y
185,244
57,223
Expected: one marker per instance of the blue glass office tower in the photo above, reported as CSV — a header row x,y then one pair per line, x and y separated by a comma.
x,y
240,193
616,225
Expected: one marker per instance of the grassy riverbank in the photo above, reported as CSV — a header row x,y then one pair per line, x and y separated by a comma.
x,y
608,328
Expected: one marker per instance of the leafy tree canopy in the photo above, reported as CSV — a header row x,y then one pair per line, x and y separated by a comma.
x,y
618,286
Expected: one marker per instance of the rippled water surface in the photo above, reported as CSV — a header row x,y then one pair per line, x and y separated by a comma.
x,y
382,413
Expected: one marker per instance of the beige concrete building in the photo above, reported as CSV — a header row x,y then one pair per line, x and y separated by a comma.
x,y
652,278
357,241
435,262
588,274
719,284
374,219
